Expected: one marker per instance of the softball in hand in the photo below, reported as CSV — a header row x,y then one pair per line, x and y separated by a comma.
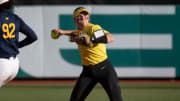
x,y
55,35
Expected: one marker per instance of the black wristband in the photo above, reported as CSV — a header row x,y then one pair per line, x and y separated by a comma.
x,y
102,39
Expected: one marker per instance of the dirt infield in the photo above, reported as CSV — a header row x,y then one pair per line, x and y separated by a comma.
x,y
74,81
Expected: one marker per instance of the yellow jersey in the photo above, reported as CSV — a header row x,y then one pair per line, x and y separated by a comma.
x,y
96,54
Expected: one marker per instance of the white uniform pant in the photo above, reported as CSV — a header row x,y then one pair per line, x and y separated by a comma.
x,y
8,69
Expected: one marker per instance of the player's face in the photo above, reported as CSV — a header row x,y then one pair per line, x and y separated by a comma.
x,y
82,20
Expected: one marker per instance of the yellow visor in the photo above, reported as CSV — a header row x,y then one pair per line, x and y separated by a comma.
x,y
76,13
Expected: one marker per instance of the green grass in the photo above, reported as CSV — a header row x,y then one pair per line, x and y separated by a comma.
x,y
61,92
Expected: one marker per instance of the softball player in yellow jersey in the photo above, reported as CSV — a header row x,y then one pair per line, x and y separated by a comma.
x,y
96,66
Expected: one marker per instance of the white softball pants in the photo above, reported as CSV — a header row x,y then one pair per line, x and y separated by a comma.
x,y
8,69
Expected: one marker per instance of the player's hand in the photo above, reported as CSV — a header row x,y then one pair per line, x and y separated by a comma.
x,y
59,31
55,33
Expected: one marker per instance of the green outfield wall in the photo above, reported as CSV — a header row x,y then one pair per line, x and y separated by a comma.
x,y
145,46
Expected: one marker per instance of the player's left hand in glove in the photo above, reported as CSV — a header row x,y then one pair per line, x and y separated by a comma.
x,y
81,38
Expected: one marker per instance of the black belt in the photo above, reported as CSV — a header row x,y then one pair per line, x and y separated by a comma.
x,y
97,65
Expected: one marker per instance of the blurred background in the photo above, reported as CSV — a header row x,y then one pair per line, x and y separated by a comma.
x,y
146,34
49,2
145,53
